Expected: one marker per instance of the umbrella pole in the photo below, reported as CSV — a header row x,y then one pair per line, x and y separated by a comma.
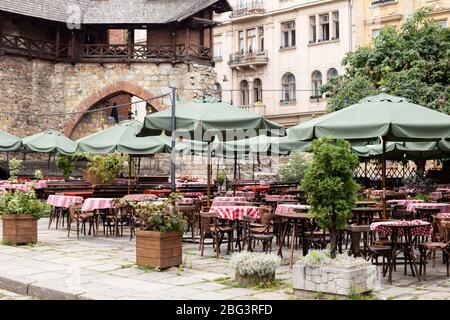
x,y
129,173
235,173
208,203
48,164
384,179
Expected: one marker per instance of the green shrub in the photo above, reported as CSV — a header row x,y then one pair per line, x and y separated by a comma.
x,y
107,167
160,217
22,203
330,187
15,165
294,170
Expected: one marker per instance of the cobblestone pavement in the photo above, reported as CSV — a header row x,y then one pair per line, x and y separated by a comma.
x,y
8,295
58,267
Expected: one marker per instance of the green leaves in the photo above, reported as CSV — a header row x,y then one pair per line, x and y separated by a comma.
x,y
412,61
107,167
22,203
329,183
295,168
160,217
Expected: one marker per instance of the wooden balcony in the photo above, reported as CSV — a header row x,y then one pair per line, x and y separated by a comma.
x,y
103,53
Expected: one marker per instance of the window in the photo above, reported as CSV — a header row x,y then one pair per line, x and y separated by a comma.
x,y
375,33
313,29
261,38
332,73
324,27
241,41
335,35
288,87
217,48
257,87
442,23
316,83
288,34
244,93
218,89
251,40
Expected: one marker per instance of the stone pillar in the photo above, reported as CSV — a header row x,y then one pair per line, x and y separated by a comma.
x,y
251,93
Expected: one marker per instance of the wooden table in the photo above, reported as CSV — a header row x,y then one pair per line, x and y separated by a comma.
x,y
82,194
366,214
293,217
365,203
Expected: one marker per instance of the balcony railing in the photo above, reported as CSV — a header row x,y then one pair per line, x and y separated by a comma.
x,y
101,52
256,108
249,8
248,58
377,2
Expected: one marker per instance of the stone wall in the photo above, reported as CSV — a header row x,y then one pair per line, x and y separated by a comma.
x,y
35,87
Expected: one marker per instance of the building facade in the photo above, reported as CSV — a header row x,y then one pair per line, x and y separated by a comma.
x,y
271,57
61,59
372,15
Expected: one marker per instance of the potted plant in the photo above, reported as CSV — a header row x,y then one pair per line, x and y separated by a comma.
x,y
15,166
20,212
254,268
105,167
331,193
158,243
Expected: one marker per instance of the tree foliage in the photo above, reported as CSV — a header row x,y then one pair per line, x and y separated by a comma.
x,y
329,185
412,61
294,170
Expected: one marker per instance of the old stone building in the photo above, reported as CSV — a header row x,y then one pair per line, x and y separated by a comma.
x,y
61,58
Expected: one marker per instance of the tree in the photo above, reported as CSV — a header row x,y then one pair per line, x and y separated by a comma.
x,y
412,61
330,187
294,170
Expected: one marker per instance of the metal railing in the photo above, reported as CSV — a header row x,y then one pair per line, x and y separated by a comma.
x,y
239,58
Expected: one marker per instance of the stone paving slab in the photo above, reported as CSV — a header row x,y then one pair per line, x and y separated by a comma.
x,y
104,268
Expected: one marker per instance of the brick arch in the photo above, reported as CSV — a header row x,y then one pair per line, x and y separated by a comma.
x,y
105,92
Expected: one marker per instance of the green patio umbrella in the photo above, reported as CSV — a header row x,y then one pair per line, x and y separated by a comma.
x,y
208,118
8,142
122,138
382,116
51,142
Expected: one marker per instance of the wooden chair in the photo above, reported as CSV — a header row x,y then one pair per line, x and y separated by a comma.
x,y
254,234
428,251
117,216
191,214
210,225
76,215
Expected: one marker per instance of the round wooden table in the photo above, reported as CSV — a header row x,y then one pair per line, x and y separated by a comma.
x,y
293,217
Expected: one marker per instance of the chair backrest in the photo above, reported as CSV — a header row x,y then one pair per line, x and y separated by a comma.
x,y
74,210
266,213
207,221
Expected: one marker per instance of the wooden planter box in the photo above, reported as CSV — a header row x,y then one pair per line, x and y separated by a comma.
x,y
158,250
91,177
19,229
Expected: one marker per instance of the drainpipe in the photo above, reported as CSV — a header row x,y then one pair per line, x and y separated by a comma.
x,y
350,24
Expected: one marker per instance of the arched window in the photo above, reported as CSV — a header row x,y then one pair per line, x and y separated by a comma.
x,y
257,87
244,93
316,82
288,87
218,91
332,73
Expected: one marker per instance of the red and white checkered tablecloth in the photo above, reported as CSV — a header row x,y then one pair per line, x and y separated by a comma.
x,y
63,201
422,228
444,207
404,202
198,195
236,213
139,197
444,215
249,195
185,201
289,208
276,197
91,204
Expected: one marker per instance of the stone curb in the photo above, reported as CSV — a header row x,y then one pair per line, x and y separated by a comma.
x,y
29,289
